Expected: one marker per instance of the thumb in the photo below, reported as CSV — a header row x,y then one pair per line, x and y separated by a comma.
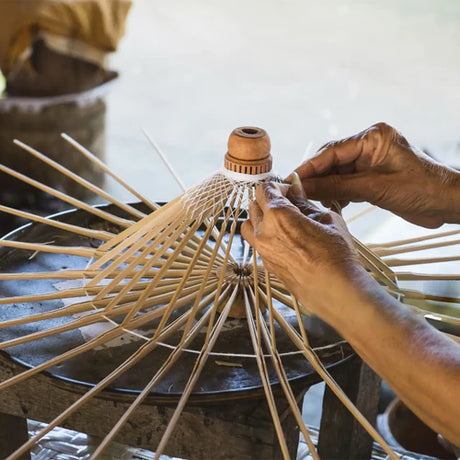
x,y
343,187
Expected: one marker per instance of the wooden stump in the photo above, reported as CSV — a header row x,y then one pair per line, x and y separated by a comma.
x,y
341,436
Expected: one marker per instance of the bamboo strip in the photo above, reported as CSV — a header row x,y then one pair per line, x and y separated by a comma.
x,y
120,259
43,247
67,198
86,320
107,170
401,262
95,342
178,289
74,292
313,359
224,266
257,346
80,307
409,276
213,255
413,248
380,267
196,372
202,243
170,361
138,355
133,241
284,381
96,234
361,213
413,240
79,180
137,276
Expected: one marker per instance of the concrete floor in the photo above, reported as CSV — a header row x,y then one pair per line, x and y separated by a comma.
x,y
307,71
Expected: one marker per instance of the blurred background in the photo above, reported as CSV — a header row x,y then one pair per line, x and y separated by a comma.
x,y
306,71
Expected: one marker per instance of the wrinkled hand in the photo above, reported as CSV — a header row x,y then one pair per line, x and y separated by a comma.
x,y
308,249
378,165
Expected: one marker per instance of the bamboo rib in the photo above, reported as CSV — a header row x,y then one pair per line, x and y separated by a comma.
x,y
223,268
96,234
432,260
43,247
137,276
95,342
121,258
79,180
97,316
254,332
318,366
177,291
67,198
196,372
140,229
365,211
121,308
138,355
87,320
76,292
170,361
409,276
380,267
283,379
413,248
413,240
213,255
216,248
90,156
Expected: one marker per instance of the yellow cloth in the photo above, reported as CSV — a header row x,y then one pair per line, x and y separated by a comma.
x,y
97,23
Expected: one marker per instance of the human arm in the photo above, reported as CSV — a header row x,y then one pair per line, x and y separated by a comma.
x,y
379,165
312,253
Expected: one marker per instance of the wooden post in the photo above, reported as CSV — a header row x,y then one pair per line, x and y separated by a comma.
x,y
13,434
341,435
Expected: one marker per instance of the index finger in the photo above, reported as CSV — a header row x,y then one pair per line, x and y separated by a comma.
x,y
333,154
272,194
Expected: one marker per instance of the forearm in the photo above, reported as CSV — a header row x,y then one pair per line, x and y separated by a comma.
x,y
418,362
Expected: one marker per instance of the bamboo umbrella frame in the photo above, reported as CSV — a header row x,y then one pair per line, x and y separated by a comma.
x,y
175,266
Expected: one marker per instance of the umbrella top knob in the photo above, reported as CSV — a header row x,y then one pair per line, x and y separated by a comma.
x,y
248,151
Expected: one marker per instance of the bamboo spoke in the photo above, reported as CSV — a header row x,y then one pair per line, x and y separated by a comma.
x,y
90,156
43,247
196,372
313,359
270,343
67,198
413,240
428,260
96,234
95,314
79,180
169,362
213,255
137,356
254,331
413,248
409,276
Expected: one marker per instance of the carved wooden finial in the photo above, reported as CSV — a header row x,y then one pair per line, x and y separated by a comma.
x,y
248,151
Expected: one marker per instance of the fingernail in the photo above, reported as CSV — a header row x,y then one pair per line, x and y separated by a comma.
x,y
294,179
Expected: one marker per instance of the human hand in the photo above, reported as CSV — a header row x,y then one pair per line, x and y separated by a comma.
x,y
308,249
378,165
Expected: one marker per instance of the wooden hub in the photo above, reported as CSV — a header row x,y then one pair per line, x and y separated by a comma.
x,y
248,151
243,276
